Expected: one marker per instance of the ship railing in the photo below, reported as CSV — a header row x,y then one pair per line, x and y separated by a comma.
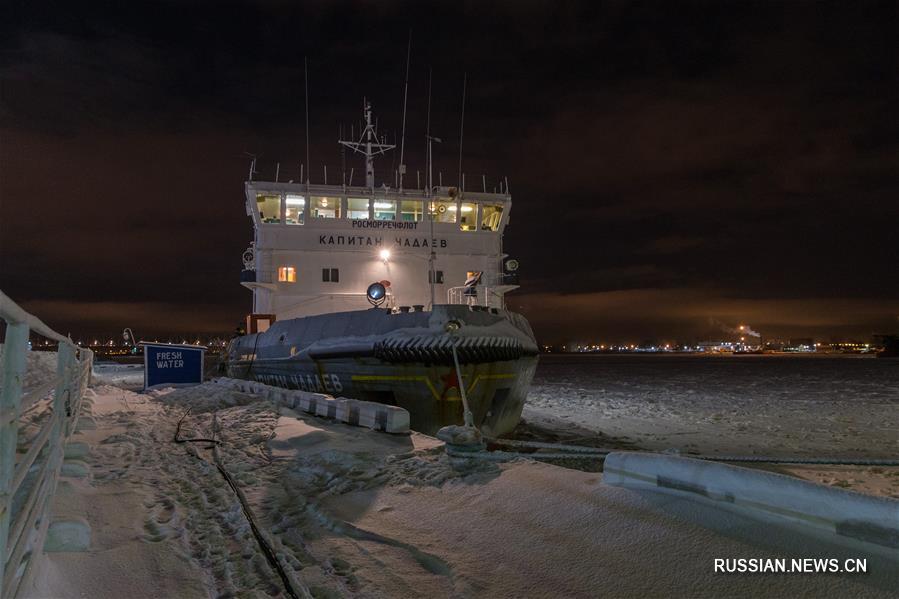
x,y
382,191
480,295
36,421
345,297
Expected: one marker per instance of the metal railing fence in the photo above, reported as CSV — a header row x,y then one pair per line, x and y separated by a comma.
x,y
29,467
481,295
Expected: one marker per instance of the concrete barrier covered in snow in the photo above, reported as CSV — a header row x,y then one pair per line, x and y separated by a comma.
x,y
390,419
845,513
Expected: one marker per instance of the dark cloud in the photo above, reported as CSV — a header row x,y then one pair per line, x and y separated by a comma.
x,y
685,314
673,244
112,316
744,156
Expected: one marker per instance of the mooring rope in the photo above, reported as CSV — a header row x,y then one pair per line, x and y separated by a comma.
x,y
598,453
544,445
178,438
466,414
261,540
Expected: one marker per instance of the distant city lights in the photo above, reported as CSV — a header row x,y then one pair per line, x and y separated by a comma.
x,y
773,346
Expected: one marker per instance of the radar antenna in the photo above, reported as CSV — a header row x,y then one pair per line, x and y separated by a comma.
x,y
369,145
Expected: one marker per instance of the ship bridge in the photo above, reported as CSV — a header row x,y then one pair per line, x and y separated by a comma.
x,y
317,248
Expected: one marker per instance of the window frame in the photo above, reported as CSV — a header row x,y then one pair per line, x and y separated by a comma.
x,y
502,215
370,207
303,213
287,274
374,209
268,194
433,213
339,207
477,215
421,212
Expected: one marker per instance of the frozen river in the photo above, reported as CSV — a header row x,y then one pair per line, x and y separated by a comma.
x,y
779,405
686,377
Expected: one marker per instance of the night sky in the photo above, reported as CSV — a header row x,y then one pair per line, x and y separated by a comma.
x,y
671,164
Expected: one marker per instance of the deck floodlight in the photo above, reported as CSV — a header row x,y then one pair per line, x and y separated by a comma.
x,y
511,265
376,294
452,326
385,255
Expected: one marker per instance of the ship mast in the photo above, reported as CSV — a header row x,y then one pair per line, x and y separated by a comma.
x,y
369,145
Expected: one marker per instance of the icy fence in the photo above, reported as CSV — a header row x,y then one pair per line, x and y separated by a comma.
x,y
864,518
389,419
37,416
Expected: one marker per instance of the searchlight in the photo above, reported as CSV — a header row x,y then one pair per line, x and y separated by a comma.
x,y
376,294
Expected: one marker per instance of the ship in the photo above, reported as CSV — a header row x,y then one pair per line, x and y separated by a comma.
x,y
387,294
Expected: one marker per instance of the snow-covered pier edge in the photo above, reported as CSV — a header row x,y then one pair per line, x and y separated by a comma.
x,y
871,520
382,417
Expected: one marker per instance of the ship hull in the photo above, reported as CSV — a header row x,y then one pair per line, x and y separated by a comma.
x,y
405,361
496,391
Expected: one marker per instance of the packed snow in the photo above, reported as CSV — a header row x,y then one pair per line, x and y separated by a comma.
x,y
40,368
355,513
128,376
40,371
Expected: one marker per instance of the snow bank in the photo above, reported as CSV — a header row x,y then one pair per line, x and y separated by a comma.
x,y
379,416
873,520
203,398
130,376
40,368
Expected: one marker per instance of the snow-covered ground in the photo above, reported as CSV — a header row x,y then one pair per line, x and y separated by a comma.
x,y
40,368
357,513
127,376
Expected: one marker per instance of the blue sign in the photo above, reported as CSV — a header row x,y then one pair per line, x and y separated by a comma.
x,y
169,364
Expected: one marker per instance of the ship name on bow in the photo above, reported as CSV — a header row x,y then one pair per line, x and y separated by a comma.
x,y
363,240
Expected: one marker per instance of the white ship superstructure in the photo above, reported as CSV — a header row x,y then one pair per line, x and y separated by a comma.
x,y
318,247
435,252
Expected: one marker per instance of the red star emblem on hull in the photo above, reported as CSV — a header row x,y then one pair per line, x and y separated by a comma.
x,y
450,381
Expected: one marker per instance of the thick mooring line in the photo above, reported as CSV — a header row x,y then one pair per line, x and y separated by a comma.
x,y
261,540
248,513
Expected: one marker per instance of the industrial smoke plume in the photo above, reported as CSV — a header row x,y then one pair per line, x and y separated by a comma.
x,y
741,330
